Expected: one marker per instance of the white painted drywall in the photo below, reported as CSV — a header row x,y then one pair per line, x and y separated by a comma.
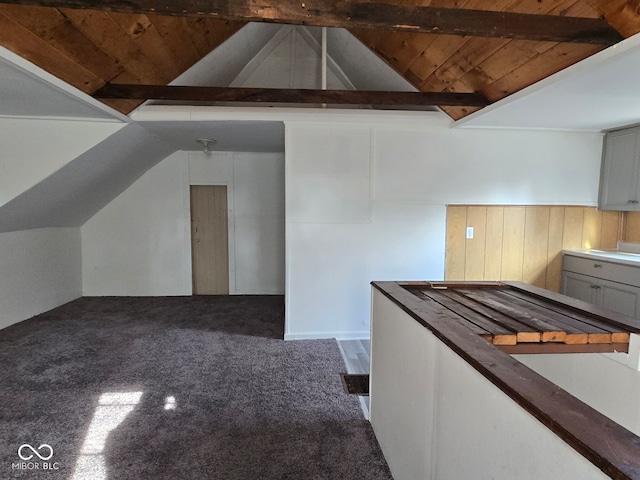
x,y
367,201
258,190
33,149
607,385
436,417
139,244
39,270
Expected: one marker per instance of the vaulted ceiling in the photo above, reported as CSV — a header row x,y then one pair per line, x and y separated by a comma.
x,y
98,43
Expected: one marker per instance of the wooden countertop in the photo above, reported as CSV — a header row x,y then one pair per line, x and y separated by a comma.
x,y
519,321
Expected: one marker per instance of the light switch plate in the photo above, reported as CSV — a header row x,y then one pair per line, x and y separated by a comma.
x,y
469,232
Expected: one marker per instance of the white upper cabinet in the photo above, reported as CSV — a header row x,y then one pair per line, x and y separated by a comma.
x,y
619,185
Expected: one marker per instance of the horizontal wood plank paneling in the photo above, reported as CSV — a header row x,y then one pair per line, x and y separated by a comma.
x,y
524,243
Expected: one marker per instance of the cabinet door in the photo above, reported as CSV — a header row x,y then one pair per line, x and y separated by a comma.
x,y
619,173
579,286
619,298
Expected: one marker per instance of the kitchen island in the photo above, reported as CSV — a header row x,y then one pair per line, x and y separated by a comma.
x,y
448,401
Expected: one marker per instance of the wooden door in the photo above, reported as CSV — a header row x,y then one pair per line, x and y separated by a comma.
x,y
209,240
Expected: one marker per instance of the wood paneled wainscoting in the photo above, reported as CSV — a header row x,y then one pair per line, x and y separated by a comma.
x,y
631,227
523,243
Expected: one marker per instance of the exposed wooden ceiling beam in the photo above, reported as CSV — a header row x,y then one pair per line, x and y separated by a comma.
x,y
278,95
361,14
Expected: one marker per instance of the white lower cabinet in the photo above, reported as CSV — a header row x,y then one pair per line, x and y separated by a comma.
x,y
594,281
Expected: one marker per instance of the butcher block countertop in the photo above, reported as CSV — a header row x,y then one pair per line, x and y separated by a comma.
x,y
482,322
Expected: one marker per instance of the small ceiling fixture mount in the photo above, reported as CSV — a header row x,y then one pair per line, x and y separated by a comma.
x,y
205,142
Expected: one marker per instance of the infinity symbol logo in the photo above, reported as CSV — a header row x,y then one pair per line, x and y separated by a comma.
x,y
29,456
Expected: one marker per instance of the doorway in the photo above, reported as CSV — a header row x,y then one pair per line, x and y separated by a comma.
x,y
209,240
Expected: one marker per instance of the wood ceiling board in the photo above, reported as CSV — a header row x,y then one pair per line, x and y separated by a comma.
x,y
55,29
623,15
462,61
442,48
145,36
171,29
21,41
100,29
554,60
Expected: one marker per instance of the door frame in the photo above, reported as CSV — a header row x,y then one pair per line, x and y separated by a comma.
x,y
230,226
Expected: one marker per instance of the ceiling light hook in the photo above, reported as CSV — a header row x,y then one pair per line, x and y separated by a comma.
x,y
205,142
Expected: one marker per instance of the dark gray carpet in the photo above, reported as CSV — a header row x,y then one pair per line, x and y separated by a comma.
x,y
202,388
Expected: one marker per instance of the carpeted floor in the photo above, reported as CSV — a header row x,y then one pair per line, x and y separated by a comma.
x,y
177,388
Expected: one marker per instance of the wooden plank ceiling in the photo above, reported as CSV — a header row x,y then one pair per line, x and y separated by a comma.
x,y
91,44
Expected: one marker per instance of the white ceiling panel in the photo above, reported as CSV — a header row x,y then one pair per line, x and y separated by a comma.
x,y
28,91
230,136
600,93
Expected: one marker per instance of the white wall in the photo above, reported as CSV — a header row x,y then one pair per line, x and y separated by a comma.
x,y
255,190
139,244
436,417
33,149
291,59
39,270
598,380
367,201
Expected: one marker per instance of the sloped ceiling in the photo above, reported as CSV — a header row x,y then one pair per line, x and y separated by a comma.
x,y
88,48
496,67
599,93
26,90
74,193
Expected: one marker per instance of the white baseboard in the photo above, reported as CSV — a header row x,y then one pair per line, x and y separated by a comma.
x,y
362,335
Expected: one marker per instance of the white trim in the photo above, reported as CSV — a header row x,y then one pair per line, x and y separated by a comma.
x,y
231,228
287,232
362,335
160,113
186,218
46,118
